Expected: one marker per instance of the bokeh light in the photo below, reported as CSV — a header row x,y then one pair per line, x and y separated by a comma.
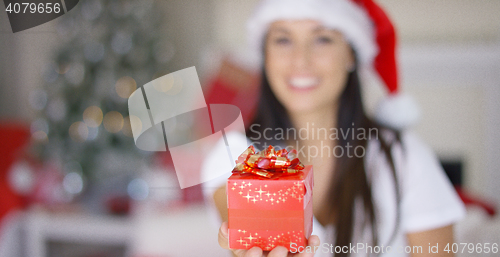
x,y
56,109
167,83
93,133
176,88
40,137
138,189
127,127
78,131
73,183
125,86
113,121
135,123
21,178
92,116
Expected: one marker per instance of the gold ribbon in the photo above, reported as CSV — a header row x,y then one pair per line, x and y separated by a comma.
x,y
268,163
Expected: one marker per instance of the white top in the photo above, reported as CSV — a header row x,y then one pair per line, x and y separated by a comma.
x,y
428,199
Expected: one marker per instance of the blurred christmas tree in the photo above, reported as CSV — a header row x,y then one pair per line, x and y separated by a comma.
x,y
107,49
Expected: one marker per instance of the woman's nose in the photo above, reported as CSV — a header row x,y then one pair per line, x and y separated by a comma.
x,y
301,56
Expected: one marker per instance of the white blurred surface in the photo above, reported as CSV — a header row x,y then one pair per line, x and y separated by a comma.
x,y
182,233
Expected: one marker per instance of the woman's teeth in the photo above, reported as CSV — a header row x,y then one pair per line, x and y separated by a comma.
x,y
303,82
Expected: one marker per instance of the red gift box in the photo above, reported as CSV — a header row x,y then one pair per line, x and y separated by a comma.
x,y
270,212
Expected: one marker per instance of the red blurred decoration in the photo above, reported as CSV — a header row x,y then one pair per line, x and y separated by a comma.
x,y
118,205
14,138
234,85
470,200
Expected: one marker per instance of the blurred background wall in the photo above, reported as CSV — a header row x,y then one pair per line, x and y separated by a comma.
x,y
449,56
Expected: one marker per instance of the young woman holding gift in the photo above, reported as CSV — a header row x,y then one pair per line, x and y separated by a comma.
x,y
395,193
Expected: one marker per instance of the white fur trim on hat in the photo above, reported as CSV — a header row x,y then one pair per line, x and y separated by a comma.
x,y
399,111
343,15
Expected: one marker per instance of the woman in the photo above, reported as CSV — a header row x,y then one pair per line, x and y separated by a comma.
x,y
390,190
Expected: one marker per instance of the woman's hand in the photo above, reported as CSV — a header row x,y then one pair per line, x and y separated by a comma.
x,y
279,251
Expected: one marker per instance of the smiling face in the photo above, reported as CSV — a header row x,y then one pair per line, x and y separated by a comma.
x,y
307,65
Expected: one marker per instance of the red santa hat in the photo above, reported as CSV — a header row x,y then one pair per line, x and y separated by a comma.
x,y
365,26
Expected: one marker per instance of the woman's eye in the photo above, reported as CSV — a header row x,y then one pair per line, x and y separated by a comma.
x,y
324,40
282,41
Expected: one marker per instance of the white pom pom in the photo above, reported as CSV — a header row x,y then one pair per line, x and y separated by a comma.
x,y
398,111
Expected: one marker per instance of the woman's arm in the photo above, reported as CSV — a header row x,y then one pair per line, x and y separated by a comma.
x,y
440,236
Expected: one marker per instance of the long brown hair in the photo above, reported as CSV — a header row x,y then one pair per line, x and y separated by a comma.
x,y
350,183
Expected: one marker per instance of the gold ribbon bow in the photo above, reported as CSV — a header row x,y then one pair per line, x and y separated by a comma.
x,y
268,163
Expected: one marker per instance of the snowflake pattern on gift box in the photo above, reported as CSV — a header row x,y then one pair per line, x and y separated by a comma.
x,y
259,194
271,240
